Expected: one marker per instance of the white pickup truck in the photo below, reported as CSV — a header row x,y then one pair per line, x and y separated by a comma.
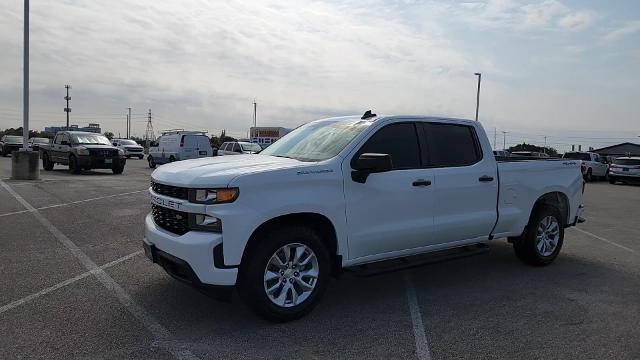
x,y
342,192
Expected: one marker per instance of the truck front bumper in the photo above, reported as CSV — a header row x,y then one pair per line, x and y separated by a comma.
x,y
92,162
187,257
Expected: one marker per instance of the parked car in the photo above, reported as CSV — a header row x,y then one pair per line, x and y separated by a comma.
x,y
9,143
238,148
530,154
130,148
82,151
502,153
625,169
594,166
35,142
179,145
343,192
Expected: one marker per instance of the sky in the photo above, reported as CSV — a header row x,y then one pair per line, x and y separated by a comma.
x,y
567,70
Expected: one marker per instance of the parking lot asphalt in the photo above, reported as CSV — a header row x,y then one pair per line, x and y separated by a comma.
x,y
75,284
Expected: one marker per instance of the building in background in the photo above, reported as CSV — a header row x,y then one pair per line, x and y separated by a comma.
x,y
52,130
614,151
265,136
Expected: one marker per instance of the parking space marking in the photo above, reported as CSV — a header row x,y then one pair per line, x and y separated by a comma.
x,y
74,202
605,240
26,299
159,332
422,345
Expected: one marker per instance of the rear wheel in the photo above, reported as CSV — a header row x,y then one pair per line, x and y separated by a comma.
x,y
46,162
284,277
152,163
73,165
588,177
542,240
118,169
172,158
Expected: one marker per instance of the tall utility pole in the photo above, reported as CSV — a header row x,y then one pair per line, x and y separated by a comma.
x,y
255,119
67,109
129,123
479,75
148,134
25,79
504,140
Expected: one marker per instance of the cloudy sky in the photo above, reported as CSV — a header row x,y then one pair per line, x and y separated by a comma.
x,y
565,69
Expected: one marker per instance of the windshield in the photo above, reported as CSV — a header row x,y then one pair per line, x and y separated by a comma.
x,y
626,161
90,139
128,142
251,147
318,140
577,156
40,140
14,139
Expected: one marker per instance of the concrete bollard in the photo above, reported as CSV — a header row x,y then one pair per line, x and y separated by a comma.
x,y
25,165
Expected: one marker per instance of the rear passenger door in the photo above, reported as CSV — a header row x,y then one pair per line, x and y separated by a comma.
x,y
391,211
466,183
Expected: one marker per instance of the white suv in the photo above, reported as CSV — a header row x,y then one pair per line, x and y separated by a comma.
x,y
130,148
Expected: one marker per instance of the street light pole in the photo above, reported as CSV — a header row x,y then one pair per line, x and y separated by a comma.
x,y
25,87
479,75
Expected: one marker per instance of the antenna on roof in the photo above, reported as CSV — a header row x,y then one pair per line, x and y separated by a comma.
x,y
368,114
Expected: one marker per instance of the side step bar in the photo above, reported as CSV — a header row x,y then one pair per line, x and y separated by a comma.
x,y
393,265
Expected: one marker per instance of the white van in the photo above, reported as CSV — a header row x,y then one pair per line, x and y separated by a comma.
x,y
176,145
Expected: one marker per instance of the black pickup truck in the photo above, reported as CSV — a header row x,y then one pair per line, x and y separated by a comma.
x,y
82,151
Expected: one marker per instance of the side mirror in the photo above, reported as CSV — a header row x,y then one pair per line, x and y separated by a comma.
x,y
370,163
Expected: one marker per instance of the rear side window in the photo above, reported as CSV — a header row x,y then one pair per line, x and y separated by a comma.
x,y
398,140
236,147
452,145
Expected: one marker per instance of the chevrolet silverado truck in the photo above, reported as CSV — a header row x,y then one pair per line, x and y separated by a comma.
x,y
82,151
342,192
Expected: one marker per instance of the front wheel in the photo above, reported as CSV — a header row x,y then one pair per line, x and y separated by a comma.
x,y
73,165
542,239
612,180
46,162
118,169
152,163
140,157
284,277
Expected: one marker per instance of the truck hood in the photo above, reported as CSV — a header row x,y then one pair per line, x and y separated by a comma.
x,y
220,170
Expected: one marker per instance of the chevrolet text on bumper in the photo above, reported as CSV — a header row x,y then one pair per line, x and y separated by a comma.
x,y
343,192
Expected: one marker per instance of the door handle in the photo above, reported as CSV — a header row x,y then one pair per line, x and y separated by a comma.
x,y
421,182
485,178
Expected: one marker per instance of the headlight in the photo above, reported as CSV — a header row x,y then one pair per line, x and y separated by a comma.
x,y
204,222
81,150
213,196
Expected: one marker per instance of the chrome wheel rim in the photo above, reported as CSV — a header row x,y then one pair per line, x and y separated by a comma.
x,y
291,275
547,236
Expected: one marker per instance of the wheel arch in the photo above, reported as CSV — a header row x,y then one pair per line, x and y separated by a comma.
x,y
315,221
556,199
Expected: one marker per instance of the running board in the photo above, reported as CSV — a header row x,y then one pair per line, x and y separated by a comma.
x,y
393,265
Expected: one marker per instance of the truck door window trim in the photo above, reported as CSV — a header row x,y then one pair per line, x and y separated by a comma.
x,y
419,140
429,137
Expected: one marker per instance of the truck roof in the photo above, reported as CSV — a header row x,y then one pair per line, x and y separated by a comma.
x,y
407,117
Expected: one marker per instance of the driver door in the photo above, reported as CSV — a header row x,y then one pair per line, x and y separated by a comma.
x,y
391,211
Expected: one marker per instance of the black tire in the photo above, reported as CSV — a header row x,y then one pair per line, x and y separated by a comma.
x,y
118,169
128,156
612,180
254,265
172,158
140,157
525,246
73,165
152,163
588,177
46,163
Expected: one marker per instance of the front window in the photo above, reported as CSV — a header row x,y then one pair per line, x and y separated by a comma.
x,y
128,142
318,140
251,147
82,139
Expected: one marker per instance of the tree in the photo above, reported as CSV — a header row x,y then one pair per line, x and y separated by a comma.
x,y
108,134
529,147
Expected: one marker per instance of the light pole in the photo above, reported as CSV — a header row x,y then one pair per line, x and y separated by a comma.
x,y
479,75
25,87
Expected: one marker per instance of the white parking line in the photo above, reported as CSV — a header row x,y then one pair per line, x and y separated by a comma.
x,y
26,299
74,202
159,332
605,240
422,345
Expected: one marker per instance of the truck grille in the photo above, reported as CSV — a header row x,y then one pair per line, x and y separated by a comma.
x,y
103,153
171,220
170,191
